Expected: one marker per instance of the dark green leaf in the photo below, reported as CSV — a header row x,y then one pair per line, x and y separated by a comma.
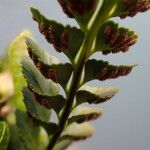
x,y
113,39
15,141
81,114
71,41
131,8
81,10
38,54
37,81
48,65
49,127
102,70
38,111
34,108
29,133
4,135
95,95
64,38
63,72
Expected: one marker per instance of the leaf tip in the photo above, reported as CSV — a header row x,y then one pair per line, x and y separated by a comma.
x,y
133,7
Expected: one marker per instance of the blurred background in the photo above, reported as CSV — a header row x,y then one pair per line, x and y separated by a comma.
x,y
125,124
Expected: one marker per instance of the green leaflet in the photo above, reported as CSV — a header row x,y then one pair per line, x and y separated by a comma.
x,y
78,131
63,78
81,114
95,95
50,127
102,70
65,39
29,133
74,132
113,39
19,141
40,53
37,111
130,8
123,9
39,115
81,10
15,141
34,101
63,144
37,81
14,81
4,135
49,65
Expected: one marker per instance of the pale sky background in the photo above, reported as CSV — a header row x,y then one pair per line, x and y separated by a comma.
x,y
125,124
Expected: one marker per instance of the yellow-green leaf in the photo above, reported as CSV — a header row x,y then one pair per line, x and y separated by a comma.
x,y
78,131
95,95
82,114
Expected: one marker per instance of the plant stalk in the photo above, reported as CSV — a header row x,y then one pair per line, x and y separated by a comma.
x,y
86,46
85,50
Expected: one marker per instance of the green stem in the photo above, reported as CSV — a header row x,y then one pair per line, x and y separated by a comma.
x,y
79,66
86,46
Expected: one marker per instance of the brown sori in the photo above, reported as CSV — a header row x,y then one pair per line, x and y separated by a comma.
x,y
117,42
50,36
64,46
42,100
46,71
98,100
65,9
132,7
80,6
112,72
86,118
60,44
